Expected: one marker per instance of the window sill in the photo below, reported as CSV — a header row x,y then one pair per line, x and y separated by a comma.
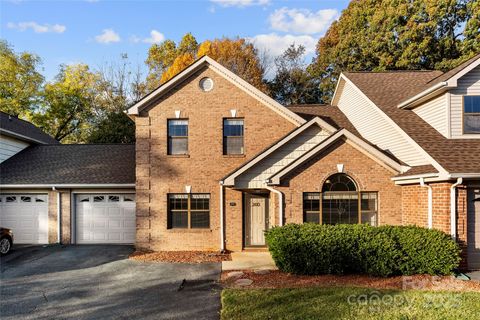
x,y
234,156
178,230
178,156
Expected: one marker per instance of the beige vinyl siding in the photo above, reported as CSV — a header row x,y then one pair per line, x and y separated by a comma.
x,y
375,127
255,177
10,146
469,84
434,112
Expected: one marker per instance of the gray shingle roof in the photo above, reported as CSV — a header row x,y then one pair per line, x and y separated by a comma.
x,y
71,164
11,125
388,89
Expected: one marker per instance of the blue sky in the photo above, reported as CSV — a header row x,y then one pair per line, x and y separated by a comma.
x,y
99,31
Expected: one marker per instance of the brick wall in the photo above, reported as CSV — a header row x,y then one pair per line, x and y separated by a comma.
x,y
367,173
52,217
159,174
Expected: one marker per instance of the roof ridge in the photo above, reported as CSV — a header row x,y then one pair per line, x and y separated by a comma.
x,y
396,71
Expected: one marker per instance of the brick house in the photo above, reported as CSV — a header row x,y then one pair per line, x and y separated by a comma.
x,y
217,162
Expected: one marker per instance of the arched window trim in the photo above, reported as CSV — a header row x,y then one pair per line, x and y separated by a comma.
x,y
363,203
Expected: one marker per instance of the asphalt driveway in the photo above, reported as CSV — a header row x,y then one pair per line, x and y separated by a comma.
x,y
99,282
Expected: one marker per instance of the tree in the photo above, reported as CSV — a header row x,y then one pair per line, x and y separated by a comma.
x,y
162,56
374,35
66,109
20,82
116,127
166,60
292,83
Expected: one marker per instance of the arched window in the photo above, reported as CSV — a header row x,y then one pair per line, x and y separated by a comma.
x,y
339,182
340,202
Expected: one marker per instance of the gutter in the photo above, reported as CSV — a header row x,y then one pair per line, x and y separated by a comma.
x,y
430,203
407,103
453,211
280,204
222,227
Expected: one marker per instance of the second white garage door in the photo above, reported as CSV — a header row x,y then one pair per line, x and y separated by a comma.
x,y
105,218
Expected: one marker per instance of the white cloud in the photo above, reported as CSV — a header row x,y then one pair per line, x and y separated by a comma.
x,y
274,44
107,36
155,37
302,20
240,3
36,27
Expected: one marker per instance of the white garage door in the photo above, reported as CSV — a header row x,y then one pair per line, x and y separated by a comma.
x,y
26,215
105,218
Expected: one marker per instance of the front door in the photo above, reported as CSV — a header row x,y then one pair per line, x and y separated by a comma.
x,y
256,219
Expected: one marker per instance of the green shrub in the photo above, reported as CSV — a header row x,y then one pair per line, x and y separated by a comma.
x,y
379,251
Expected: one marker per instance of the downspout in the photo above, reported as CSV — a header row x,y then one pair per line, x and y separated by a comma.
x,y
430,203
222,232
453,209
59,214
280,204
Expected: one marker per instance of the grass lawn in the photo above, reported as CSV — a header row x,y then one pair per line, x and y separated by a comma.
x,y
348,303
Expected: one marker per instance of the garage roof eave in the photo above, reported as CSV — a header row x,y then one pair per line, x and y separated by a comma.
x,y
78,185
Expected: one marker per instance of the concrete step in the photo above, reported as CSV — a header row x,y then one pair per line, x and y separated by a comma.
x,y
249,261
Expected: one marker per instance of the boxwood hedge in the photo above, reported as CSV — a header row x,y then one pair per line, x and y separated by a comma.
x,y
380,251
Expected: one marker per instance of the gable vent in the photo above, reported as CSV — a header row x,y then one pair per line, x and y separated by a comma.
x,y
206,84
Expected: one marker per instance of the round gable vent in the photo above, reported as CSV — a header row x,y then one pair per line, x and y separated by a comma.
x,y
206,84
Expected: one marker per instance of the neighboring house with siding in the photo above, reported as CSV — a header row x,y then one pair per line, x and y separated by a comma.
x,y
17,134
217,162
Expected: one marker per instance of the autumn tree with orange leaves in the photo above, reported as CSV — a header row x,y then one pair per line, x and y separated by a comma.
x,y
167,59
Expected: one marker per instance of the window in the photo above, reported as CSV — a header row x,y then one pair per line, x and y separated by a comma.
x,y
177,136
190,211
11,199
84,198
40,198
113,198
311,207
98,198
340,202
25,199
233,136
129,198
471,114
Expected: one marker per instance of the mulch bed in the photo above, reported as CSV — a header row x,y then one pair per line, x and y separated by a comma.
x,y
180,256
278,279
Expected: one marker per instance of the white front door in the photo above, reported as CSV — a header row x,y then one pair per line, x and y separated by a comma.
x,y
256,219
27,216
473,229
105,218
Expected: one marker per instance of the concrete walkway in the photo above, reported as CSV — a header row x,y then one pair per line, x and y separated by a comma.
x,y
249,261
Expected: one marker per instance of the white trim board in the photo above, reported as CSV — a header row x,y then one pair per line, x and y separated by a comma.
x,y
225,73
354,141
229,180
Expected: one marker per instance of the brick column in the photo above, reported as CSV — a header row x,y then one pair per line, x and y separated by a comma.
x,y
142,185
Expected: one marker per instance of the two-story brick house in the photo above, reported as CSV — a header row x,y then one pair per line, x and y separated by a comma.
x,y
216,162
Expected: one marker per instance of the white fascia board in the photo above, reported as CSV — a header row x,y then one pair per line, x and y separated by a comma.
x,y
230,179
81,185
452,82
230,76
336,94
357,143
19,136
400,130
424,95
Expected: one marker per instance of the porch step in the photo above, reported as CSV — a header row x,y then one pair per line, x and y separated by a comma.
x,y
249,261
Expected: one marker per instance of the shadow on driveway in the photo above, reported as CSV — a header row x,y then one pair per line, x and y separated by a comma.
x,y
93,282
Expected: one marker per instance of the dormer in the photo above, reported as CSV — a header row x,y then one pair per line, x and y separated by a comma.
x,y
451,102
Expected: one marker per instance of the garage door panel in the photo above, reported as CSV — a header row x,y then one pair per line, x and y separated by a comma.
x,y
27,216
109,219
